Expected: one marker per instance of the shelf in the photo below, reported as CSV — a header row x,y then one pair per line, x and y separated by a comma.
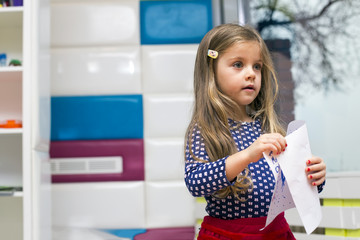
x,y
18,194
11,69
4,131
8,191
11,9
11,194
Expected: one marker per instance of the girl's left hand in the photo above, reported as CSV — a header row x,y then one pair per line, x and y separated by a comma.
x,y
316,170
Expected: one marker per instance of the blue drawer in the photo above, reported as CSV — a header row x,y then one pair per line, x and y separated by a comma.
x,y
96,117
174,22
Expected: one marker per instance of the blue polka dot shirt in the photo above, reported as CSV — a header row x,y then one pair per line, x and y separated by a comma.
x,y
203,179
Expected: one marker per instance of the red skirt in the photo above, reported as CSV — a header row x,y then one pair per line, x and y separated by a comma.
x,y
245,229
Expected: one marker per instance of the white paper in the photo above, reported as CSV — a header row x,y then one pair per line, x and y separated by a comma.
x,y
273,163
281,199
292,188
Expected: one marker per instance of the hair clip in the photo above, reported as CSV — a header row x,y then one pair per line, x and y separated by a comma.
x,y
213,54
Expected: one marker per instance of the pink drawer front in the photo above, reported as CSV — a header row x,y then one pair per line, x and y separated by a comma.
x,y
185,233
130,151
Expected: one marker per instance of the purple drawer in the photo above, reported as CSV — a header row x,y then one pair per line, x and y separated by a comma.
x,y
183,233
130,150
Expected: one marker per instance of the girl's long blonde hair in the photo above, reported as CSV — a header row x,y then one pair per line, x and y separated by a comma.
x,y
213,108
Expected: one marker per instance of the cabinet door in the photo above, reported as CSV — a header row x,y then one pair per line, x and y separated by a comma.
x,y
36,114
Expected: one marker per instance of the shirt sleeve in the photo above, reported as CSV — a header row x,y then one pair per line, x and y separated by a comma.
x,y
203,178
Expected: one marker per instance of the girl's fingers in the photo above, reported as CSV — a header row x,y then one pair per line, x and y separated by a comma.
x,y
318,182
316,167
317,178
315,164
267,143
277,146
277,141
316,175
316,170
314,160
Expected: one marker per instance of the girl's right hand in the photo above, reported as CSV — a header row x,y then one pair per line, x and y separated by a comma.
x,y
274,142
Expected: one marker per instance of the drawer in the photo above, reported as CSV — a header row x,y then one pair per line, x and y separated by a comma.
x,y
86,23
96,117
97,160
95,71
98,205
172,22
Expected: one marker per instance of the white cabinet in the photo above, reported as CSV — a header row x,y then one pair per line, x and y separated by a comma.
x,y
25,97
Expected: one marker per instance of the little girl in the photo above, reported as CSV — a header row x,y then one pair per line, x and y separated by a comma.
x,y
233,123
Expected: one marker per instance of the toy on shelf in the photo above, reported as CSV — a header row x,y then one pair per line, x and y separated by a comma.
x,y
9,190
11,3
15,62
6,3
11,124
17,3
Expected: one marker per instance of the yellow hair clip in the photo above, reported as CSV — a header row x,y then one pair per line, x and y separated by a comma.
x,y
213,54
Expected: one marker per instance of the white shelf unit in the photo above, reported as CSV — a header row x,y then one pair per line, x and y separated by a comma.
x,y
11,92
24,96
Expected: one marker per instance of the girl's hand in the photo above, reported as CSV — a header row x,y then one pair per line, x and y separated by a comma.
x,y
316,170
274,142
237,162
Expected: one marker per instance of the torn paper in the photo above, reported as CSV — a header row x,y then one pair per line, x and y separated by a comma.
x,y
292,188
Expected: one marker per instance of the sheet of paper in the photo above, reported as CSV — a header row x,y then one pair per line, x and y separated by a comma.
x,y
292,188
281,199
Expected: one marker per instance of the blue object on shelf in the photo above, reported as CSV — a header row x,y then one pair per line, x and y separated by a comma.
x,y
125,233
96,117
175,22
17,3
2,59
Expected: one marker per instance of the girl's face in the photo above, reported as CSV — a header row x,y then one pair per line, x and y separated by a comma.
x,y
238,72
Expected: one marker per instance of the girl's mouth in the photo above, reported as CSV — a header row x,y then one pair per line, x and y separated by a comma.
x,y
250,87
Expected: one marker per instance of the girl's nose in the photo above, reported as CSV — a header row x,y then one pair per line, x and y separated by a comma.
x,y
250,73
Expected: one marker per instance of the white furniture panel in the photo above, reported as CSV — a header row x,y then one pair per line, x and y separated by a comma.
x,y
40,110
95,71
341,185
333,217
200,212
41,191
304,236
99,205
36,121
169,204
168,68
94,22
164,159
167,115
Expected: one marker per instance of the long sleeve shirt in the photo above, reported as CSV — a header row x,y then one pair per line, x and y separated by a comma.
x,y
203,179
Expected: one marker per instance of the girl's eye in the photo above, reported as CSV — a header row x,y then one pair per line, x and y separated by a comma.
x,y
238,64
258,67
